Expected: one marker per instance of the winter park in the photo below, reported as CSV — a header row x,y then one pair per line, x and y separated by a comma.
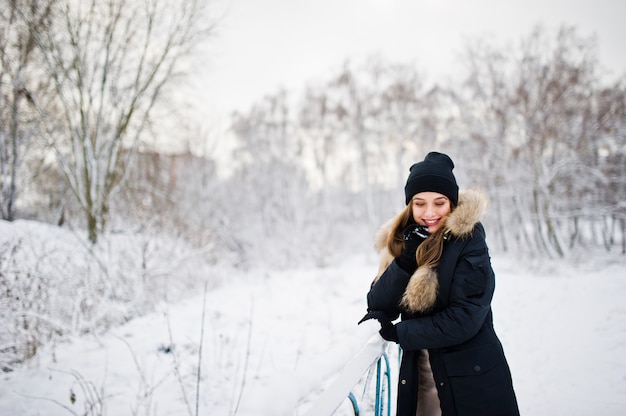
x,y
199,202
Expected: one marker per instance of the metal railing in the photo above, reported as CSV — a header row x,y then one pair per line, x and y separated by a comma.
x,y
373,353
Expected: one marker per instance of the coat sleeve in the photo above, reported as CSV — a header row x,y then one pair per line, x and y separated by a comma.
x,y
386,293
468,305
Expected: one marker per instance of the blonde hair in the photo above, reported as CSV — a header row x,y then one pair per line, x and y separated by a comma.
x,y
395,239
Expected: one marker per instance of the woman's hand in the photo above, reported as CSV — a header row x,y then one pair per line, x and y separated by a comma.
x,y
413,235
388,330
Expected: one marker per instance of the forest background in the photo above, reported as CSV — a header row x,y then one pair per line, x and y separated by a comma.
x,y
90,91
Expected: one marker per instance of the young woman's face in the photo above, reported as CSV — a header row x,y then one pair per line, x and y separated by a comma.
x,y
430,209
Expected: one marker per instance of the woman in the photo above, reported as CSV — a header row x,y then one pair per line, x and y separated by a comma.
x,y
436,274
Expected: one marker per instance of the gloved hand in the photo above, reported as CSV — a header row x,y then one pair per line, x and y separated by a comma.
x,y
414,234
388,330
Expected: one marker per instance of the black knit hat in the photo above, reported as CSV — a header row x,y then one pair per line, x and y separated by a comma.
x,y
433,174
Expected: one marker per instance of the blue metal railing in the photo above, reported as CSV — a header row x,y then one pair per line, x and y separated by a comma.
x,y
383,389
380,387
355,404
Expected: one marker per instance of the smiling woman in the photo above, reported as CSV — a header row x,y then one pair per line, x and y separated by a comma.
x,y
436,274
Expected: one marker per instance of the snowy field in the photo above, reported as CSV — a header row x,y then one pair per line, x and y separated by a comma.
x,y
563,328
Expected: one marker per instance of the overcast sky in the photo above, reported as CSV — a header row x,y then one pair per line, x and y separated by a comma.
x,y
263,44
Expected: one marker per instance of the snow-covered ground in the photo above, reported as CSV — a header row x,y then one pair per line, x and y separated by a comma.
x,y
563,328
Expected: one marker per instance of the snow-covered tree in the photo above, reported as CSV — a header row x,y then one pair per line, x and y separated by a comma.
x,y
20,23
110,62
538,129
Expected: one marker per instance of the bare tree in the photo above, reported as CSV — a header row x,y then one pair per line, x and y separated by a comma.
x,y
271,169
19,24
408,129
548,139
487,139
606,187
110,63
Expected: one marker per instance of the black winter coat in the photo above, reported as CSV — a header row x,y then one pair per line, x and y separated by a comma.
x,y
466,356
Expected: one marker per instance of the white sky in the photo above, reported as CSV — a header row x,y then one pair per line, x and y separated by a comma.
x,y
264,44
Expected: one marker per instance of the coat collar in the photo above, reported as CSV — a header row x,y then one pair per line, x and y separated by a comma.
x,y
421,291
472,204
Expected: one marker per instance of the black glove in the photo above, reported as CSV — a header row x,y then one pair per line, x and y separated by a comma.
x,y
388,330
414,234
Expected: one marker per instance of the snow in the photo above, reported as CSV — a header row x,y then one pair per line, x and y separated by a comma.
x,y
268,335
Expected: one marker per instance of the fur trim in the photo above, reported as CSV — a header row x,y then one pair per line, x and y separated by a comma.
x,y
380,239
380,243
421,291
472,204
385,260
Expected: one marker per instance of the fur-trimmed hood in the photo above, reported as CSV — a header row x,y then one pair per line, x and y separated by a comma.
x,y
421,291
